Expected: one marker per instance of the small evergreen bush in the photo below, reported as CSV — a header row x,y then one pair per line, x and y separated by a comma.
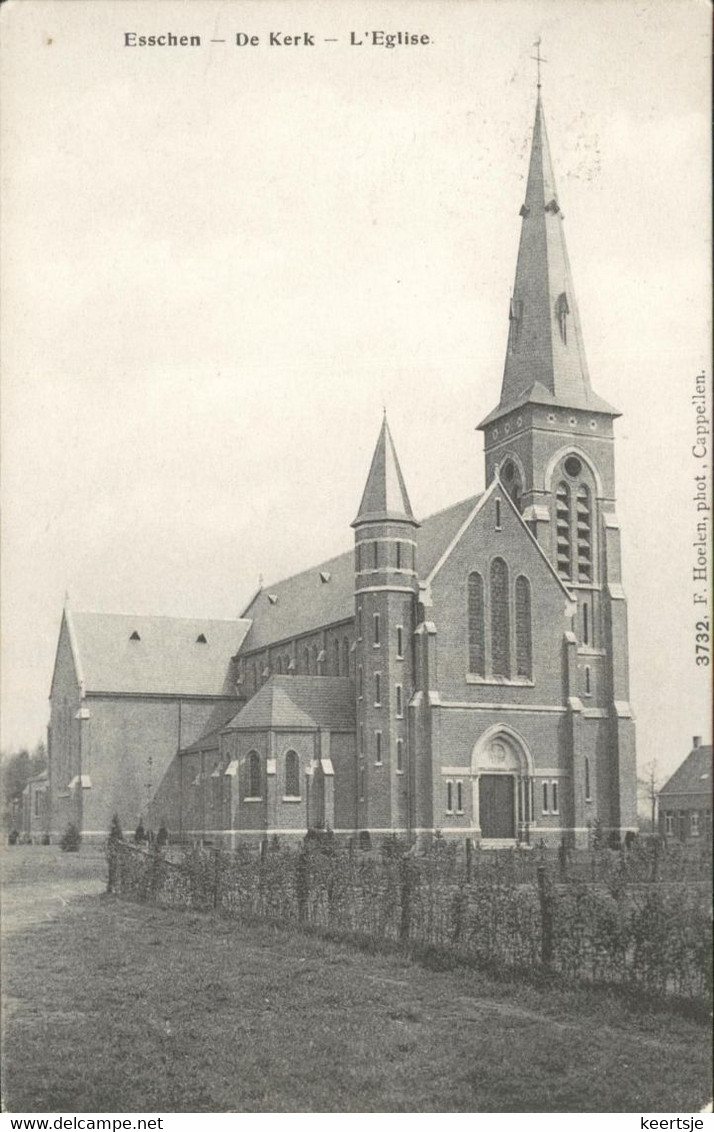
x,y
115,831
71,839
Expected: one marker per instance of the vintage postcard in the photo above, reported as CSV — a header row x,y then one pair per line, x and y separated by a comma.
x,y
357,556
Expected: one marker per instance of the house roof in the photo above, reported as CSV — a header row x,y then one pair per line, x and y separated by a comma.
x,y
299,702
306,602
694,776
126,653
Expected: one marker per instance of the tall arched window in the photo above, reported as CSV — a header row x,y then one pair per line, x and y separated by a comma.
x,y
336,656
585,535
524,649
306,661
279,666
292,774
345,657
564,549
314,668
500,626
476,626
254,775
511,479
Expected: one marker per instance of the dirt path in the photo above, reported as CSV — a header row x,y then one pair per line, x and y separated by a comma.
x,y
39,882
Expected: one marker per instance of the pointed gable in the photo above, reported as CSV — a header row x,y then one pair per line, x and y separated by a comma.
x,y
545,359
299,703
385,494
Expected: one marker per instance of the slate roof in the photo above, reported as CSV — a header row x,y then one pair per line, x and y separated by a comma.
x,y
385,494
543,363
694,776
305,603
166,659
299,702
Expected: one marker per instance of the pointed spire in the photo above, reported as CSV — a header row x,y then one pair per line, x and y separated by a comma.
x,y
385,495
545,361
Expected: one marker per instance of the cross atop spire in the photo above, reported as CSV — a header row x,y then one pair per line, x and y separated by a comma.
x,y
545,360
385,494
538,58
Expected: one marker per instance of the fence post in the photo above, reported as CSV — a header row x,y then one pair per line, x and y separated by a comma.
x,y
216,876
302,883
546,917
405,899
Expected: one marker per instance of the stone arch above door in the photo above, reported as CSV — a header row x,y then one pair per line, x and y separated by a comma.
x,y
501,748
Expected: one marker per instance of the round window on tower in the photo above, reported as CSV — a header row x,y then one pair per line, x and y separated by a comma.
x,y
508,471
573,467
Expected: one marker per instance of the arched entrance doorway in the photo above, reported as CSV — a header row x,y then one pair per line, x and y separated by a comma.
x,y
502,777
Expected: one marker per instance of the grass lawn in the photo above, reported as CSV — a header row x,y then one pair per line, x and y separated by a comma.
x,y
111,1006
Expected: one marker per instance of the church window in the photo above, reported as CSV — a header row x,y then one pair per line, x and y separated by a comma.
x,y
500,628
400,701
306,661
512,481
358,555
400,756
449,797
524,650
584,525
292,775
562,311
669,824
377,690
378,747
279,666
587,779
400,642
459,797
562,530
573,467
477,652
376,629
361,739
336,655
375,554
545,798
554,797
588,688
254,775
359,623
399,556
586,623
361,784
345,657
498,514
314,661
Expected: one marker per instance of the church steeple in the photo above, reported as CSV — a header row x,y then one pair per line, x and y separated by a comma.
x,y
545,359
385,494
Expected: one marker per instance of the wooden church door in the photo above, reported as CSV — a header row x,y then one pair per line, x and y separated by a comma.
x,y
496,806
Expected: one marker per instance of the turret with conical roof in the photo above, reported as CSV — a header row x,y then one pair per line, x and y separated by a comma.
x,y
386,588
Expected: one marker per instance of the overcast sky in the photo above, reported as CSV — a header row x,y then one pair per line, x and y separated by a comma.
x,y
219,264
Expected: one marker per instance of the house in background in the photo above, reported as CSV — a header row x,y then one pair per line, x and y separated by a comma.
x,y
685,801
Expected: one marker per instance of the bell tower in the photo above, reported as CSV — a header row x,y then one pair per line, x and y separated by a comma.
x,y
386,588
551,439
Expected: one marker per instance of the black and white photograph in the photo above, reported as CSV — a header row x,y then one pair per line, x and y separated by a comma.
x,y
356,559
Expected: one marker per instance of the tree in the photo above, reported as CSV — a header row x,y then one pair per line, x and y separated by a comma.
x,y
648,784
18,767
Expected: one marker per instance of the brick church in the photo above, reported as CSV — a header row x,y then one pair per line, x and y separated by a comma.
x,y
466,672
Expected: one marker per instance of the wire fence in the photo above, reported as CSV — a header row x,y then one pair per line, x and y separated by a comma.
x,y
546,915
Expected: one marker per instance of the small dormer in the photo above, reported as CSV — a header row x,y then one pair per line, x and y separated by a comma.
x,y
201,639
135,636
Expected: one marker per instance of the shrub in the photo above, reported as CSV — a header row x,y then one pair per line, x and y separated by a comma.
x,y
139,833
162,837
71,839
115,832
